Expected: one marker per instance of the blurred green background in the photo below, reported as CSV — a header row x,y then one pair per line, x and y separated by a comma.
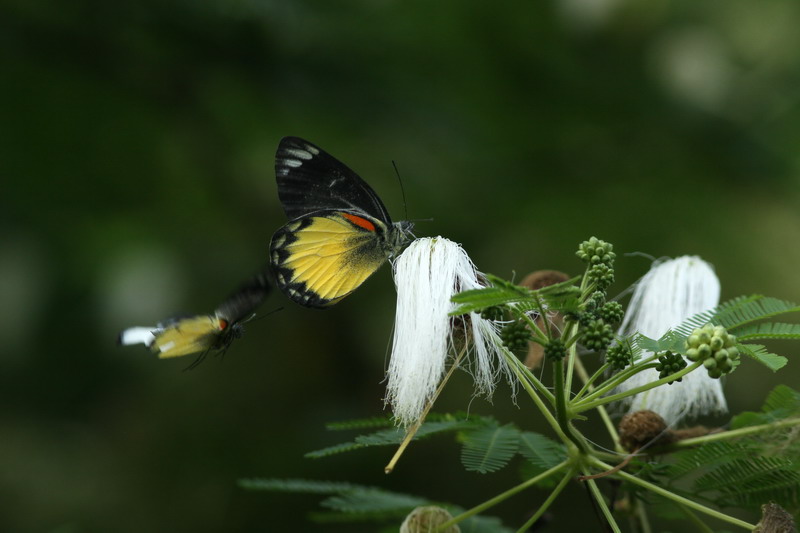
x,y
136,153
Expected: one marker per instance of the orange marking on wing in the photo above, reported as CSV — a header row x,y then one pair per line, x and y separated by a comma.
x,y
359,221
223,324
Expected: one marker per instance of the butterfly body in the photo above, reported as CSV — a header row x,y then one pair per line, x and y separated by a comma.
x,y
186,335
339,231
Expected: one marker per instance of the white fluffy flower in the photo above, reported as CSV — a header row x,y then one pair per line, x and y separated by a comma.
x,y
672,291
427,274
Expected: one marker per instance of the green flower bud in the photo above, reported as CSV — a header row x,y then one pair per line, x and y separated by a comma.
x,y
715,373
555,349
692,354
704,337
693,341
704,350
733,352
721,355
716,343
710,363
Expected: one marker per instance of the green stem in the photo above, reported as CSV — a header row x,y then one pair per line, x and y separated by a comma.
x,y
534,396
561,404
724,435
612,430
702,526
503,496
528,375
675,498
601,502
550,499
588,383
641,512
587,404
539,336
617,379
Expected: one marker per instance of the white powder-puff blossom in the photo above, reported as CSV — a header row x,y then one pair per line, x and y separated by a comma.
x,y
672,291
427,275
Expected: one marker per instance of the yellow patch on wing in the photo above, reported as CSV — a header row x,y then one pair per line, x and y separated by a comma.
x,y
323,256
187,336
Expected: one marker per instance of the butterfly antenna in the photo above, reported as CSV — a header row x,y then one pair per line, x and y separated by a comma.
x,y
402,189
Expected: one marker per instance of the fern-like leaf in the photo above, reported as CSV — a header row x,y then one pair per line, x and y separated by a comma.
x,y
373,501
302,486
541,451
392,436
782,403
564,296
361,423
738,312
753,481
767,330
711,454
489,449
758,352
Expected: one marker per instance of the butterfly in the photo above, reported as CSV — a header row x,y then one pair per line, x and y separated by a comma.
x,y
339,232
179,336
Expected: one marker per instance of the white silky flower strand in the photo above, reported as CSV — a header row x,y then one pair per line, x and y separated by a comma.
x,y
672,291
427,275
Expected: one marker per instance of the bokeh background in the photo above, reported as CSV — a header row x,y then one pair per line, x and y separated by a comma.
x,y
136,155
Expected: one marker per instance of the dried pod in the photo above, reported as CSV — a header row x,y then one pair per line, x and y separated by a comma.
x,y
643,427
775,519
426,520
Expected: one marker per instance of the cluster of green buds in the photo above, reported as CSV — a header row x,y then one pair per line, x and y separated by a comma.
x,y
715,347
620,356
599,256
597,317
597,335
668,364
515,335
555,349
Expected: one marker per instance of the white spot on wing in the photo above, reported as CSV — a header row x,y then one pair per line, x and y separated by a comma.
x,y
294,163
301,154
167,347
137,336
312,149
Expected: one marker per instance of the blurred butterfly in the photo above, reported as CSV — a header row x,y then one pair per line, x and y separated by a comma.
x,y
202,333
339,232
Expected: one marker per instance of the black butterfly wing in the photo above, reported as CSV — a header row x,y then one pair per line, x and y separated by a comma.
x,y
241,303
309,180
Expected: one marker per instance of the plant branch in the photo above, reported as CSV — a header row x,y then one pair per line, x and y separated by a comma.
x,y
503,496
587,403
546,504
676,498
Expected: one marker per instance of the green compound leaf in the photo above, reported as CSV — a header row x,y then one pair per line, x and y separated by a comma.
x,y
394,435
736,313
751,482
359,503
758,352
361,423
768,330
564,296
489,449
302,486
372,500
541,451
781,404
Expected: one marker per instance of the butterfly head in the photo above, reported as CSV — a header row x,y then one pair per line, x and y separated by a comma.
x,y
400,235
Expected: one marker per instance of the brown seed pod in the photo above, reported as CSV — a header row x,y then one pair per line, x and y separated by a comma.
x,y
775,519
643,427
426,520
